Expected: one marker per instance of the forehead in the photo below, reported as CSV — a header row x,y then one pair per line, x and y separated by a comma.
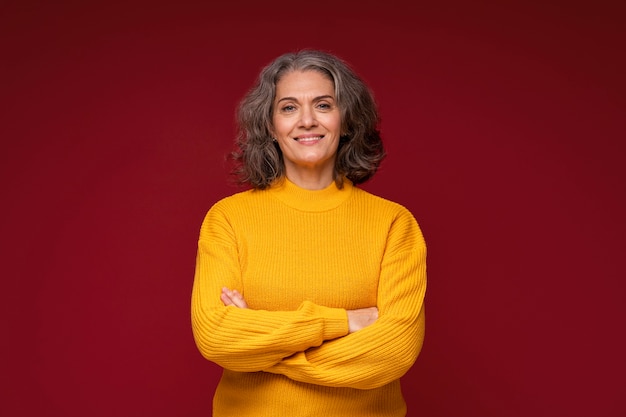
x,y
305,82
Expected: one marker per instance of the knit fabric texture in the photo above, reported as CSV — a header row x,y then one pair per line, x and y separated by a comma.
x,y
301,258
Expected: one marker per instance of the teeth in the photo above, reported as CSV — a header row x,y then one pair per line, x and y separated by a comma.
x,y
309,139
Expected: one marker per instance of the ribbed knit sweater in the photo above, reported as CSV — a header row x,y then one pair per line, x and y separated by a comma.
x,y
301,258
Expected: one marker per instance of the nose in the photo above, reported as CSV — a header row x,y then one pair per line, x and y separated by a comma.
x,y
307,117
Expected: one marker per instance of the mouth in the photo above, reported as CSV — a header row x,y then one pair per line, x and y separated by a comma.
x,y
308,139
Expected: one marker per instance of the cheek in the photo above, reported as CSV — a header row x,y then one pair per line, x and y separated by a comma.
x,y
335,125
281,127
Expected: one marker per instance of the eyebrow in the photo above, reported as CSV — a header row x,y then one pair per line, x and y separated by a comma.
x,y
314,99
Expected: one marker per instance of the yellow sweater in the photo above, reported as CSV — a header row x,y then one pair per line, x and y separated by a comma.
x,y
301,258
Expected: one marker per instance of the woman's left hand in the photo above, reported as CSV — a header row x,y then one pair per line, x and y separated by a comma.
x,y
232,298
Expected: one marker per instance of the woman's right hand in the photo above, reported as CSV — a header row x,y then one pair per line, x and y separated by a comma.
x,y
233,298
361,318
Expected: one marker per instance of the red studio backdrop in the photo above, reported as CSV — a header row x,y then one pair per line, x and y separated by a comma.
x,y
505,129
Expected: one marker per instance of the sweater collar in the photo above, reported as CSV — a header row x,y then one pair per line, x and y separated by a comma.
x,y
311,200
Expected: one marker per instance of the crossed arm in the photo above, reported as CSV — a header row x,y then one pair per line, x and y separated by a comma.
x,y
357,319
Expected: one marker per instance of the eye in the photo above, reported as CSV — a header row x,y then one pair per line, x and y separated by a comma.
x,y
324,106
288,108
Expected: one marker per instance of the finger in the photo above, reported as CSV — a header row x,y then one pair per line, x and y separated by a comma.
x,y
232,298
238,300
226,299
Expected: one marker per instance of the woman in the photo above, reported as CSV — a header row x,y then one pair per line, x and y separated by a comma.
x,y
308,290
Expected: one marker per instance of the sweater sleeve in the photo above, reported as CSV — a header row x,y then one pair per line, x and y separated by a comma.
x,y
247,340
384,351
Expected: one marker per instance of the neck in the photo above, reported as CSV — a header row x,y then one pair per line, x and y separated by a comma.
x,y
310,179
311,200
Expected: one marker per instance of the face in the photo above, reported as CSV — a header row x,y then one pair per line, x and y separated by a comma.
x,y
307,125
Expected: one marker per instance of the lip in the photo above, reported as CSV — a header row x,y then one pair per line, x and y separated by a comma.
x,y
308,138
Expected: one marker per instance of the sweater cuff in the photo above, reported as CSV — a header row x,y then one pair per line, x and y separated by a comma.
x,y
335,322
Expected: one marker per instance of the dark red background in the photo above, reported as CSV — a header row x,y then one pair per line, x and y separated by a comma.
x,y
505,127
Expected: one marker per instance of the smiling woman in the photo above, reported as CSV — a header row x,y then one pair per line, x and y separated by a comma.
x,y
309,291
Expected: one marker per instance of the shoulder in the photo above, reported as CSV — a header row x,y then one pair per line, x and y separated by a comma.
x,y
238,200
227,207
380,203
400,220
226,213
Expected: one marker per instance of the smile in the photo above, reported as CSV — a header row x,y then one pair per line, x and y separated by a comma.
x,y
309,139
